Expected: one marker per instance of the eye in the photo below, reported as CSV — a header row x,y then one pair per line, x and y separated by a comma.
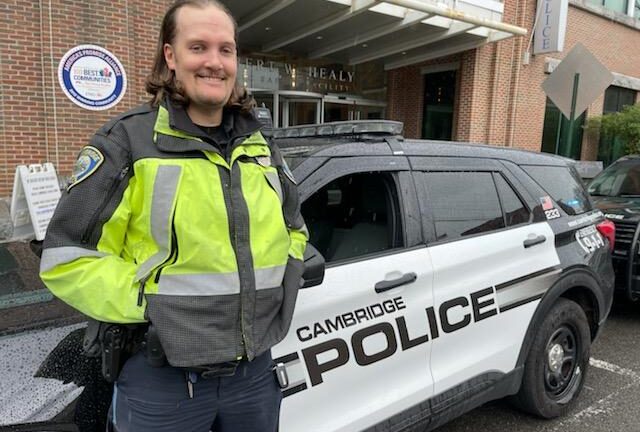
x,y
197,48
228,50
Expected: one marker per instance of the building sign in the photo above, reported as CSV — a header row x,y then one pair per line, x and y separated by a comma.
x,y
551,26
270,75
36,193
92,77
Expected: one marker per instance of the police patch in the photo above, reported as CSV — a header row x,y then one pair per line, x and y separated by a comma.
x,y
87,163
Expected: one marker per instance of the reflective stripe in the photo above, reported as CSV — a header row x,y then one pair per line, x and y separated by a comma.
x,y
269,277
211,284
274,181
165,187
53,257
204,284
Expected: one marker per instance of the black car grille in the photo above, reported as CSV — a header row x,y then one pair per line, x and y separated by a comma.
x,y
622,259
624,236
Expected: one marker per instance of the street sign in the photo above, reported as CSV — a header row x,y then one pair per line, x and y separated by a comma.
x,y
594,79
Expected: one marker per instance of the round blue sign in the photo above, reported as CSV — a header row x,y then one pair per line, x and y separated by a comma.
x,y
92,77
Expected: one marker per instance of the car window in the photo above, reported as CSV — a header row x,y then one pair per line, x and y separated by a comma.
x,y
515,212
462,203
563,186
353,216
25,303
620,179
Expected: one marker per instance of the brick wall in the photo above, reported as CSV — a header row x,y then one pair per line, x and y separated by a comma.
x,y
38,122
500,100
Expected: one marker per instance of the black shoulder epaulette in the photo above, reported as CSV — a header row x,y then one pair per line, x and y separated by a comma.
x,y
142,109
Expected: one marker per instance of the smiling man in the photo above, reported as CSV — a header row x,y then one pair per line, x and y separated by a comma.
x,y
184,225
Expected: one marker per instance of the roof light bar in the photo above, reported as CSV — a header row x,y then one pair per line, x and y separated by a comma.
x,y
388,127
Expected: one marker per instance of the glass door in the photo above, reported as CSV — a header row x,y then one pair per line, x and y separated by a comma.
x,y
299,109
350,108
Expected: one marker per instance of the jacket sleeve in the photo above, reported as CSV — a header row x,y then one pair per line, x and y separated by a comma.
x,y
291,207
84,261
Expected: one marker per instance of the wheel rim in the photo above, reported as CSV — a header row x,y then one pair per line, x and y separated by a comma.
x,y
562,367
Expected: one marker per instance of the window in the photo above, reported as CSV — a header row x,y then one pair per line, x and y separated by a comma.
x,y
464,203
514,211
353,216
614,5
620,179
439,94
615,99
555,133
563,186
25,303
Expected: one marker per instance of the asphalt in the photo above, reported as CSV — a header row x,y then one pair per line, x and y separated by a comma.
x,y
609,402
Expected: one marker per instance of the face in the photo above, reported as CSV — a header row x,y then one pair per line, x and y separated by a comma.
x,y
204,59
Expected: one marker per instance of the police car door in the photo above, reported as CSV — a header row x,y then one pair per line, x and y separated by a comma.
x,y
490,262
357,350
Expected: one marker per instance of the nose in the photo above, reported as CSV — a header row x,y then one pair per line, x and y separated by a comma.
x,y
213,60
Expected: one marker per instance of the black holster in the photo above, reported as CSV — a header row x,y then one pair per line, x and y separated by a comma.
x,y
152,348
114,343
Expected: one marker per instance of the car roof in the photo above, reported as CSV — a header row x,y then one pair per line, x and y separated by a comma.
x,y
383,138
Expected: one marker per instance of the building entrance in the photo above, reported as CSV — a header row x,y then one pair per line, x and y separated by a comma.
x,y
290,108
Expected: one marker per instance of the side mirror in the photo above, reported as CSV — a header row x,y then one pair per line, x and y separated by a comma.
x,y
313,267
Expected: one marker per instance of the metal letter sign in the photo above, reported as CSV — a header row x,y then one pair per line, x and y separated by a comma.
x,y
551,26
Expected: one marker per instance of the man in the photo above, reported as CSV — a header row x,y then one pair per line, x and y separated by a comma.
x,y
181,215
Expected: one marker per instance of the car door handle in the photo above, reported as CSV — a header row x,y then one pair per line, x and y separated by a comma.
x,y
534,241
385,285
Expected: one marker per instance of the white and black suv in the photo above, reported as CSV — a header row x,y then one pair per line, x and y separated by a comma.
x,y
439,276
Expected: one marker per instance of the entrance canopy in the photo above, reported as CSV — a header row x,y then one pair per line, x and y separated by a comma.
x,y
395,33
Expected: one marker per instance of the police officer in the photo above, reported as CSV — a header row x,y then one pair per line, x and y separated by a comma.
x,y
180,214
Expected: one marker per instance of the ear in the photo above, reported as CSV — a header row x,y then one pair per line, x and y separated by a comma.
x,y
169,56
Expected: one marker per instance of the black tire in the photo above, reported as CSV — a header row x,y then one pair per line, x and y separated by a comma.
x,y
556,367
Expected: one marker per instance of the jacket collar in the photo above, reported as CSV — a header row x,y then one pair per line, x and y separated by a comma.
x,y
235,124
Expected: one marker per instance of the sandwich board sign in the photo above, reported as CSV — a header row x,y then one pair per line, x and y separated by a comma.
x,y
36,193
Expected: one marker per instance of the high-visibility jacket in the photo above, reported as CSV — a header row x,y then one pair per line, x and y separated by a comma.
x,y
160,225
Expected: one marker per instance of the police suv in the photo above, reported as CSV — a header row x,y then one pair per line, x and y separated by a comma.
x,y
438,276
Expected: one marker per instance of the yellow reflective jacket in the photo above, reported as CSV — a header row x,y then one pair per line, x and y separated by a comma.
x,y
159,225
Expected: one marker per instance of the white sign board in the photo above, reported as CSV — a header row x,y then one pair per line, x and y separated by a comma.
x,y
36,193
551,26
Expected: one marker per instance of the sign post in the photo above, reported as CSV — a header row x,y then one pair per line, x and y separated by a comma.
x,y
577,81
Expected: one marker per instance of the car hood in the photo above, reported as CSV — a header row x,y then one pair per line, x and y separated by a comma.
x,y
619,208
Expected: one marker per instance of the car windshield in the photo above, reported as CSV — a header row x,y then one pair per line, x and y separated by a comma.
x,y
622,179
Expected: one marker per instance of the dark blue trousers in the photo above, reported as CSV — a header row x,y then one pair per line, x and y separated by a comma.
x,y
157,399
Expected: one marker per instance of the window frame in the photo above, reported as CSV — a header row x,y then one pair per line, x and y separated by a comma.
x,y
396,168
428,220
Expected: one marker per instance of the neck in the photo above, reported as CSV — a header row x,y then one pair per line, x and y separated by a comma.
x,y
209,117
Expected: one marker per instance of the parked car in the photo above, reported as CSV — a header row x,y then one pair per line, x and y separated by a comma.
x,y
439,276
616,191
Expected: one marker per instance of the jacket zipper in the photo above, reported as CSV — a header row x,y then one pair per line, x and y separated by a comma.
x,y
94,220
171,259
228,152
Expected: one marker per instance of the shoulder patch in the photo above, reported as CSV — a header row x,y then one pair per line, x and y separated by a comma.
x,y
89,160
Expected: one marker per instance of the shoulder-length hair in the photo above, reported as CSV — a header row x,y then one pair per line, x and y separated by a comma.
x,y
162,82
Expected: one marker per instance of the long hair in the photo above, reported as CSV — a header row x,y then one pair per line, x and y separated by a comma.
x,y
162,82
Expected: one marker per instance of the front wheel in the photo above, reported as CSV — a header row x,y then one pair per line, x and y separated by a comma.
x,y
556,367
